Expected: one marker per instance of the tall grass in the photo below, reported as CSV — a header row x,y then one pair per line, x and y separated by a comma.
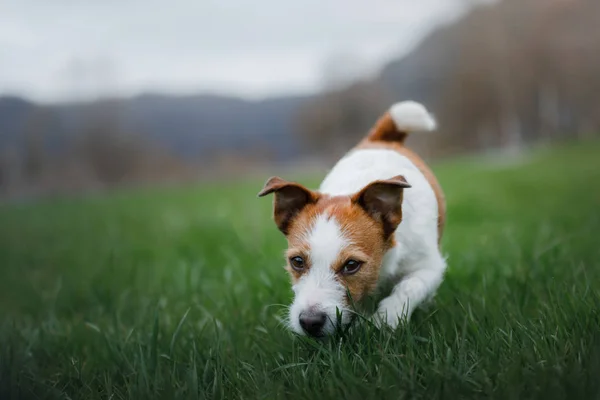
x,y
181,294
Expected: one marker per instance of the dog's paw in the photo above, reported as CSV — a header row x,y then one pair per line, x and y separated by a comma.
x,y
391,312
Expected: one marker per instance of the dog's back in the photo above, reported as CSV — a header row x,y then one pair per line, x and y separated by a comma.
x,y
382,154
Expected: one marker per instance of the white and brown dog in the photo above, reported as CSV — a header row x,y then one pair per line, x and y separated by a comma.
x,y
361,228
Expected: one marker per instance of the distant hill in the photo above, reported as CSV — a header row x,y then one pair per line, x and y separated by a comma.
x,y
14,112
192,126
200,125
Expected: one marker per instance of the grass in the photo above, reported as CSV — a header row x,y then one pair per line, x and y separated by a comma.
x,y
178,294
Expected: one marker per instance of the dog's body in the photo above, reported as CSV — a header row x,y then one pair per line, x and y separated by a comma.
x,y
361,228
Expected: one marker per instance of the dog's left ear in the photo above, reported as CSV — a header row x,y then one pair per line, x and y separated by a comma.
x,y
382,200
290,199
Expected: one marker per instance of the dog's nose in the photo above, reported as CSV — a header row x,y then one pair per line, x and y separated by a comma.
x,y
313,322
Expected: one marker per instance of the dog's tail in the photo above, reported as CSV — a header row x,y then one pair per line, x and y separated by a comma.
x,y
400,120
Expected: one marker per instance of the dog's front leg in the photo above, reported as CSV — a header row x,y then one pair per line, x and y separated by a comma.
x,y
416,287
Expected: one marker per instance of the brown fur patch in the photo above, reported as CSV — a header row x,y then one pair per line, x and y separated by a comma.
x,y
385,130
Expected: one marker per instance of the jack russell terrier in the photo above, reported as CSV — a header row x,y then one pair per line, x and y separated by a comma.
x,y
362,228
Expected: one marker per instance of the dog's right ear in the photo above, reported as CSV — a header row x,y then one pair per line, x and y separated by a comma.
x,y
382,200
290,198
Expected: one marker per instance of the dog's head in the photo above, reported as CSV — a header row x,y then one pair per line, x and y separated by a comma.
x,y
335,247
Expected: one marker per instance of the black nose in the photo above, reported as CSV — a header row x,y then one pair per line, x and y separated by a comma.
x,y
313,322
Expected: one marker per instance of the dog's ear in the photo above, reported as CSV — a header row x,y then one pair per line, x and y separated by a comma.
x,y
290,198
382,200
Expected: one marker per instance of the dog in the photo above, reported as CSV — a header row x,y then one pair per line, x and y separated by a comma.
x,y
378,214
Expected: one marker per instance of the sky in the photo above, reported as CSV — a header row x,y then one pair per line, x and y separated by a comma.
x,y
65,50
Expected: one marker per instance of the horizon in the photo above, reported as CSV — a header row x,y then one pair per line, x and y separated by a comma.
x,y
180,60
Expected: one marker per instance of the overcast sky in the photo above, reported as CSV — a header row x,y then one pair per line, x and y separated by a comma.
x,y
56,50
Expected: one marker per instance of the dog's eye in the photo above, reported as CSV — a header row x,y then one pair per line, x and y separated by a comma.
x,y
297,263
351,267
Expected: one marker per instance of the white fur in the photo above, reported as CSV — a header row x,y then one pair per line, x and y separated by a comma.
x,y
416,255
318,290
411,116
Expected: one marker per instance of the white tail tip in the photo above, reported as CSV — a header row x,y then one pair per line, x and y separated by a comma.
x,y
410,116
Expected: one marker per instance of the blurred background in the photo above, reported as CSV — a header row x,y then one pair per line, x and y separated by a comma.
x,y
106,94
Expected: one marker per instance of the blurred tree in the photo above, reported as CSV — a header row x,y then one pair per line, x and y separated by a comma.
x,y
523,73
10,169
520,71
35,153
336,120
113,155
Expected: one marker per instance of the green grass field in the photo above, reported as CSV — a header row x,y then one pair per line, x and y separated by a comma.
x,y
179,294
